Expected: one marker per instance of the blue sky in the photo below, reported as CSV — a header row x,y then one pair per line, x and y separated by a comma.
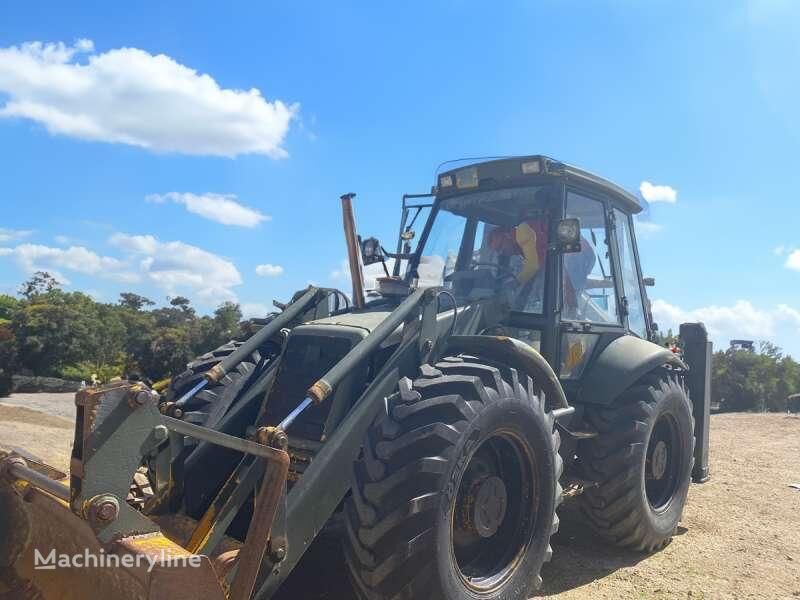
x,y
136,155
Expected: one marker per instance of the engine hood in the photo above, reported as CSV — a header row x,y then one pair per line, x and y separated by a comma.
x,y
366,320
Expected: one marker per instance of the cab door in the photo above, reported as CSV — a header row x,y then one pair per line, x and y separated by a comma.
x,y
591,314
633,295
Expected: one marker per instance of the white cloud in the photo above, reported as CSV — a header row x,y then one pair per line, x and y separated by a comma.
x,y
135,244
790,314
11,235
740,320
793,260
176,267
658,193
130,96
222,208
430,271
68,240
268,270
342,272
341,275
647,229
252,310
36,257
779,250
84,45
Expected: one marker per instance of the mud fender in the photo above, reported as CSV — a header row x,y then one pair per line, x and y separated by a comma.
x,y
620,365
516,354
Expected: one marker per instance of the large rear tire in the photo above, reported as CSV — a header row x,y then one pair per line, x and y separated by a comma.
x,y
456,491
642,461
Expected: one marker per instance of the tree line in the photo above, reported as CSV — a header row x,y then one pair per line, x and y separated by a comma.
x,y
45,330
757,378
754,379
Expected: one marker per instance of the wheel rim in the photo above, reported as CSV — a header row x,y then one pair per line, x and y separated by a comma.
x,y
662,464
494,512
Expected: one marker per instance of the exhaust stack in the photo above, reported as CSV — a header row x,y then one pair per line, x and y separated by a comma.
x,y
353,250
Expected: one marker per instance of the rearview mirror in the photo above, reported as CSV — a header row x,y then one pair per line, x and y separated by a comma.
x,y
371,251
568,235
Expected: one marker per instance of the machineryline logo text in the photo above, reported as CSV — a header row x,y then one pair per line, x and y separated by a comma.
x,y
86,559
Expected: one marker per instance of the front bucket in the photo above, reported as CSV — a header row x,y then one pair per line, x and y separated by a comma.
x,y
49,553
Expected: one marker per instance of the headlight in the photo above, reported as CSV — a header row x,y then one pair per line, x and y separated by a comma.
x,y
467,178
532,167
569,231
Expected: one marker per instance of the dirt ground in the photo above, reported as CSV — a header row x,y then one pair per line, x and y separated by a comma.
x,y
739,538
41,424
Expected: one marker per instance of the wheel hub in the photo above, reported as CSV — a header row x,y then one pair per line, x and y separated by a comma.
x,y
663,463
494,512
489,509
659,464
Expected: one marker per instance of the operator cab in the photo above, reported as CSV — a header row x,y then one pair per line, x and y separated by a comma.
x,y
555,243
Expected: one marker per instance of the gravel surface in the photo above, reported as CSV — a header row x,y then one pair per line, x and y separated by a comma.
x,y
41,424
58,405
739,538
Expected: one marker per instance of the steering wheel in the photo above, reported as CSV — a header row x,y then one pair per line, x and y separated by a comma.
x,y
503,272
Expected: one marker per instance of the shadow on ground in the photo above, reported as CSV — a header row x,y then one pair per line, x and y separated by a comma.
x,y
579,557
320,575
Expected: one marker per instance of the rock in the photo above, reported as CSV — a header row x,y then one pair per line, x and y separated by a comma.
x,y
32,384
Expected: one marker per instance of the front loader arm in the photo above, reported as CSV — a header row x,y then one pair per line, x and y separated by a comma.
x,y
117,426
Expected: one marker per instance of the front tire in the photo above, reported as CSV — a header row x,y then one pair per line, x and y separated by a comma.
x,y
455,494
642,462
208,406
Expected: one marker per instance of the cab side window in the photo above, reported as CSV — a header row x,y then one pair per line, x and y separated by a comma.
x,y
588,279
630,276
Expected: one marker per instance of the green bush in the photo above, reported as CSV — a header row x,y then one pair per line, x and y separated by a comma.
x,y
8,357
83,371
70,335
6,384
754,380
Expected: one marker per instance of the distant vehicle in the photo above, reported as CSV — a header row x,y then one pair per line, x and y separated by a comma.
x,y
742,344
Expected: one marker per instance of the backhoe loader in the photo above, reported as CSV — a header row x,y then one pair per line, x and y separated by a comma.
x,y
499,358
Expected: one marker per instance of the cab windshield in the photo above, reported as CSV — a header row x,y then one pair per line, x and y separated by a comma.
x,y
488,243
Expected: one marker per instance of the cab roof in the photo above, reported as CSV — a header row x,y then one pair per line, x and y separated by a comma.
x,y
524,170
